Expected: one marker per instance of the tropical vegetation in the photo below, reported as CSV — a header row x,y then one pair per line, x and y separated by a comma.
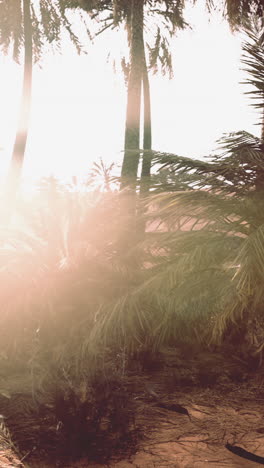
x,y
139,16
83,297
26,28
219,203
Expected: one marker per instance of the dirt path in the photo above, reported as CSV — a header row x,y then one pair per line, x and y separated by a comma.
x,y
175,441
235,417
218,413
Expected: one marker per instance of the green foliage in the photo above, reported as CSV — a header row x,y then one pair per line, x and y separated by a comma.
x,y
85,286
161,20
48,21
227,206
101,176
66,257
239,14
219,261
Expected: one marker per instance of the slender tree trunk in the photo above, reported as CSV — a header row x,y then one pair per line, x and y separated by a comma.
x,y
147,137
259,179
132,132
18,155
147,141
262,128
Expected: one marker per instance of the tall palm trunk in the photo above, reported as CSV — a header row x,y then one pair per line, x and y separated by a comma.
x,y
262,128
18,155
147,137
132,132
147,142
259,178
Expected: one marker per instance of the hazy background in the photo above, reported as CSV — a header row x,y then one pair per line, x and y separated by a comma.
x,y
79,102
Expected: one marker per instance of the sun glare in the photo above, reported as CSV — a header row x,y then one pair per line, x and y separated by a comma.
x,y
78,107
126,271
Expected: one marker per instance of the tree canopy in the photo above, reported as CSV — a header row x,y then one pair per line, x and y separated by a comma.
x,y
48,21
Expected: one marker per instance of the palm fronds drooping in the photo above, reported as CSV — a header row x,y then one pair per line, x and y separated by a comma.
x,y
215,205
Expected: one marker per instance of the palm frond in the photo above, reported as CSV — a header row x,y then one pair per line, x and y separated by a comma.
x,y
236,168
253,59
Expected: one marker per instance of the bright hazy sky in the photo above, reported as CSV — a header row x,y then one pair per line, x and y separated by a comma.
x,y
79,103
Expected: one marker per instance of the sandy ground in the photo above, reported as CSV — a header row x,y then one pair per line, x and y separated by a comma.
x,y
226,411
174,441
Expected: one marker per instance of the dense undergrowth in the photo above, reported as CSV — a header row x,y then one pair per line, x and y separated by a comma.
x,y
86,291
83,298
81,284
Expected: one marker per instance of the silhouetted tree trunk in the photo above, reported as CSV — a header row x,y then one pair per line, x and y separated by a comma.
x,y
147,136
262,129
147,142
132,131
18,155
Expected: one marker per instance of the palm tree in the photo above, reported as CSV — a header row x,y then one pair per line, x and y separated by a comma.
x,y
27,32
147,134
132,131
101,176
211,248
22,130
134,15
239,13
